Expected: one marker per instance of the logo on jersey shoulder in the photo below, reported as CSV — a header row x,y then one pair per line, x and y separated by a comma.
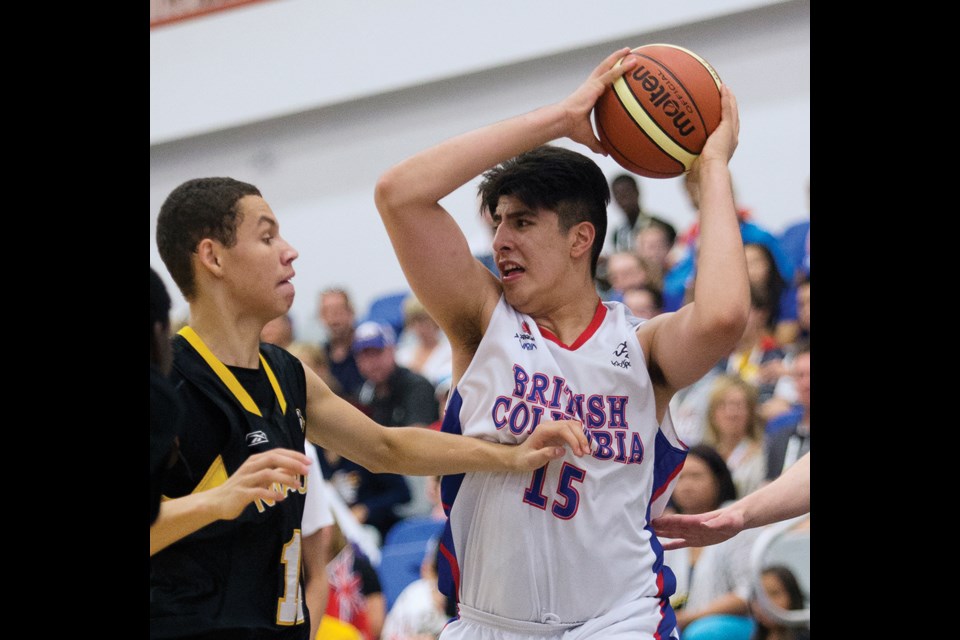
x,y
527,341
256,437
303,422
621,352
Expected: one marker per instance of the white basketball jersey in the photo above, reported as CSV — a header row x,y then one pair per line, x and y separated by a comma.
x,y
572,540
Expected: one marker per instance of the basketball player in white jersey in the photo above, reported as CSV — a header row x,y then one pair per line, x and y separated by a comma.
x,y
565,551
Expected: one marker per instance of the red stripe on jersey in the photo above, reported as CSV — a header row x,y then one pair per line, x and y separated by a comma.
x,y
454,568
591,329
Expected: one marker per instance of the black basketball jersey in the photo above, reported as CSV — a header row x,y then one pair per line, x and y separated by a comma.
x,y
233,578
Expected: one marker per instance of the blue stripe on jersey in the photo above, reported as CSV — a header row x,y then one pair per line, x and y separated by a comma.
x,y
668,621
667,462
448,571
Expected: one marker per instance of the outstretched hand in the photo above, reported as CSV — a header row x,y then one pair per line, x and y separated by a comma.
x,y
579,105
699,529
549,441
263,476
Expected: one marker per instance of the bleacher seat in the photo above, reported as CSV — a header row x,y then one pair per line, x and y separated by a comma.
x,y
402,553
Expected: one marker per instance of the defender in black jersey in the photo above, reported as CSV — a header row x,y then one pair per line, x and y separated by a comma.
x,y
233,570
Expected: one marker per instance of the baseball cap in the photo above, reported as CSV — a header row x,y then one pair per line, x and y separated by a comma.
x,y
372,335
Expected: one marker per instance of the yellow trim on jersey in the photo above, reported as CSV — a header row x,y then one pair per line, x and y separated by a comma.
x,y
215,476
275,385
230,380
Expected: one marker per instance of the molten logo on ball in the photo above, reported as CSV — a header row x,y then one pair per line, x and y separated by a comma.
x,y
655,119
662,92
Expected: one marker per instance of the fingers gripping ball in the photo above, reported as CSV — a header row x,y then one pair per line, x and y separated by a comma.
x,y
655,119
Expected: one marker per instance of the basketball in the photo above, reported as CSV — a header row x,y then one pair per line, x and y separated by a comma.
x,y
654,120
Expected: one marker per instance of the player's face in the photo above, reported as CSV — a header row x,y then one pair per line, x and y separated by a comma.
x,y
259,267
532,254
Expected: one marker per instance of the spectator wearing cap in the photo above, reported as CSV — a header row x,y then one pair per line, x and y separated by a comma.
x,y
391,395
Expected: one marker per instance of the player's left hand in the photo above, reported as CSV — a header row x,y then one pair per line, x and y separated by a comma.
x,y
549,441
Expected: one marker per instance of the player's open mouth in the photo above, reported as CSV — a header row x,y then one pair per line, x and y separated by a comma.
x,y
509,269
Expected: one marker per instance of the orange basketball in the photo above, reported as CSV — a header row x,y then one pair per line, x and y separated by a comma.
x,y
655,119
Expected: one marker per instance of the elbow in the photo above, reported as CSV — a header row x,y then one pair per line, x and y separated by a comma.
x,y
376,458
388,194
730,323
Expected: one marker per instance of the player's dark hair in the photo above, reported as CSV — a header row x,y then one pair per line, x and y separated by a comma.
x,y
726,490
557,179
198,209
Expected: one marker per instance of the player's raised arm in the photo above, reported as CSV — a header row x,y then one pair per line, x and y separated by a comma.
x,y
709,327
430,246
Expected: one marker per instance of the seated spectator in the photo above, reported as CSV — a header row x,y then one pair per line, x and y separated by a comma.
x,y
644,301
762,272
788,435
754,359
423,347
625,270
785,391
735,430
757,350
391,395
713,582
338,317
654,242
355,593
783,590
680,277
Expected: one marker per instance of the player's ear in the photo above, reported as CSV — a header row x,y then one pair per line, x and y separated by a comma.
x,y
208,255
581,238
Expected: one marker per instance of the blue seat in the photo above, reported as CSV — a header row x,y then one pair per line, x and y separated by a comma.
x,y
402,553
388,309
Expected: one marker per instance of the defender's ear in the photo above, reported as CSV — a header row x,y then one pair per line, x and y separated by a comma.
x,y
208,255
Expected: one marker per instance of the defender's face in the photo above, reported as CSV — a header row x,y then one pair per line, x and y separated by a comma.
x,y
259,267
532,254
